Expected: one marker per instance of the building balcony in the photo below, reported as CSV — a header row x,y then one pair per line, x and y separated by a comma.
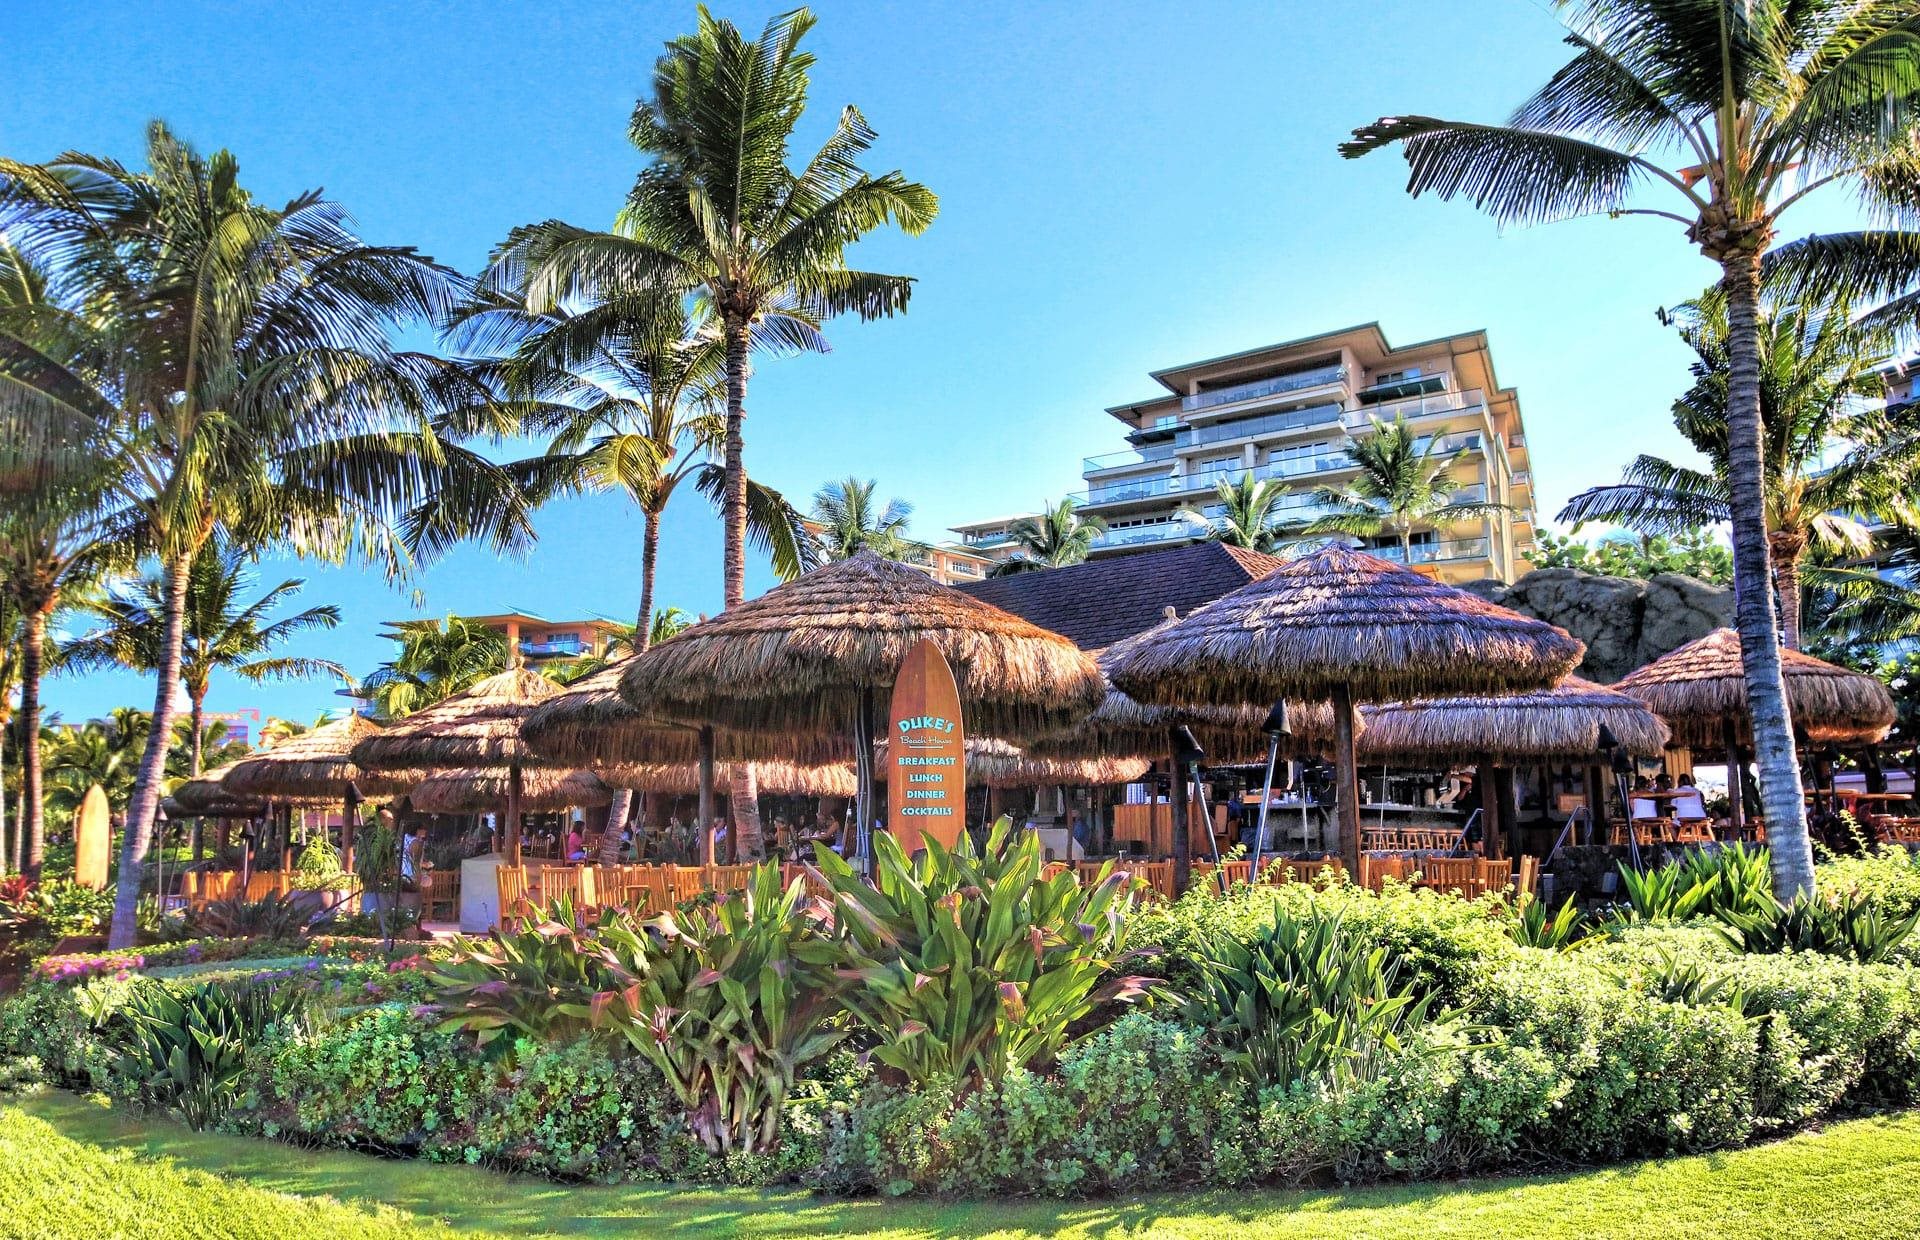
x,y
1262,389
1161,532
1264,424
566,648
1440,552
1157,454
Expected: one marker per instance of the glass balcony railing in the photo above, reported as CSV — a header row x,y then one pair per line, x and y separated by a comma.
x,y
550,649
1277,385
1142,535
1421,406
1436,552
1152,454
1265,424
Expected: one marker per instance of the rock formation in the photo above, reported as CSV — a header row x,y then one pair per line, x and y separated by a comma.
x,y
1625,622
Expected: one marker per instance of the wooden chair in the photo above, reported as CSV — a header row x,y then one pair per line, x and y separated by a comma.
x,y
572,881
440,888
1526,880
511,888
261,885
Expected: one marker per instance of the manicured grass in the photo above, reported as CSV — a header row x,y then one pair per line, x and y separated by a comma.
x,y
70,1168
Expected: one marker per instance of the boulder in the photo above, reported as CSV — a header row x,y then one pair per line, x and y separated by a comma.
x,y
1626,623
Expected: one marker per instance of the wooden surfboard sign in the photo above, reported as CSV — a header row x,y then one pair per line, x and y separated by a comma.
x,y
92,827
926,753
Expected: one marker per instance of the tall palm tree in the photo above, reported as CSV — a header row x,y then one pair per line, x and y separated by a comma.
x,y
1400,483
848,519
1250,518
1054,537
220,631
1736,111
1817,368
236,371
436,659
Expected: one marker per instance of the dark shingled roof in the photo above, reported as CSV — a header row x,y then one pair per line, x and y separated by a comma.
x,y
1097,603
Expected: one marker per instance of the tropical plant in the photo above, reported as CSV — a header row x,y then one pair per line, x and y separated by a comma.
x,y
271,916
848,519
1734,878
1249,514
234,370
1532,925
1817,366
218,632
1850,924
1300,998
187,1050
436,659
667,622
1693,552
737,997
968,963
1052,538
1400,483
1679,978
1762,103
319,867
538,980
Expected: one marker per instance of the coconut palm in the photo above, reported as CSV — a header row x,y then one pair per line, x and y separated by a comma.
x,y
436,659
1249,516
221,631
847,519
1056,536
1400,483
235,370
1735,111
1817,367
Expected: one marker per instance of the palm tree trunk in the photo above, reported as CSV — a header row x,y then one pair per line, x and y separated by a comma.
x,y
649,561
616,821
734,505
749,840
33,825
1780,791
197,717
145,804
1785,559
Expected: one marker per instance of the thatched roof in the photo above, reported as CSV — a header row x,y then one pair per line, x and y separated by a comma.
x,y
312,764
1700,686
588,724
483,790
996,764
772,778
793,661
207,796
480,727
1558,724
1341,617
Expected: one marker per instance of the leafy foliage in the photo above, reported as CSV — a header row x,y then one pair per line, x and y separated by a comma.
x,y
967,963
1850,924
1533,926
186,1049
1734,879
537,982
1693,552
269,917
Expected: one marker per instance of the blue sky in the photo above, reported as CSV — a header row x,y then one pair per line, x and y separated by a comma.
x,y
1123,187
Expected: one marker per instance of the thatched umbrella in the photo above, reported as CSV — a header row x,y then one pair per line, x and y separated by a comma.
x,y
315,764
833,779
1701,692
996,764
1339,625
476,790
1565,723
207,796
809,657
477,728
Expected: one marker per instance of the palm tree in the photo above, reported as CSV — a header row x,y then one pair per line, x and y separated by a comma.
x,y
1054,537
1759,103
847,519
436,659
668,622
1816,370
1250,517
629,392
234,369
721,213
219,632
1400,483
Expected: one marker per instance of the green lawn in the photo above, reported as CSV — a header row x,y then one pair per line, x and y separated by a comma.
x,y
70,1168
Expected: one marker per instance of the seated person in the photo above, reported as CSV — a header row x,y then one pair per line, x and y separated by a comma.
x,y
576,844
1690,804
1643,807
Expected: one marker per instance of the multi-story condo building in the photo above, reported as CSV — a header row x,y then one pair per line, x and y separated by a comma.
x,y
1286,412
538,639
951,564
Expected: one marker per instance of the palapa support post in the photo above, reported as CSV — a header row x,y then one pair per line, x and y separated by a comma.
x,y
1493,825
1177,807
863,775
1277,726
1596,800
706,809
1346,780
349,821
513,814
1736,777
1509,809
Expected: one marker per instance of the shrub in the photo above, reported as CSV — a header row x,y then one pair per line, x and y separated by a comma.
x,y
735,998
270,917
570,1112
968,963
1843,923
185,1050
48,1024
537,981
1301,997
1889,878
1531,925
319,867
1733,879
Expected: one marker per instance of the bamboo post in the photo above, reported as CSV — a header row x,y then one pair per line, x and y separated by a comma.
x,y
1346,780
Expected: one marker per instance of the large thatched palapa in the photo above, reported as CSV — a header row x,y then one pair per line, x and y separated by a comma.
x,y
313,764
207,796
478,790
834,779
1701,691
801,658
1543,725
589,724
1339,625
